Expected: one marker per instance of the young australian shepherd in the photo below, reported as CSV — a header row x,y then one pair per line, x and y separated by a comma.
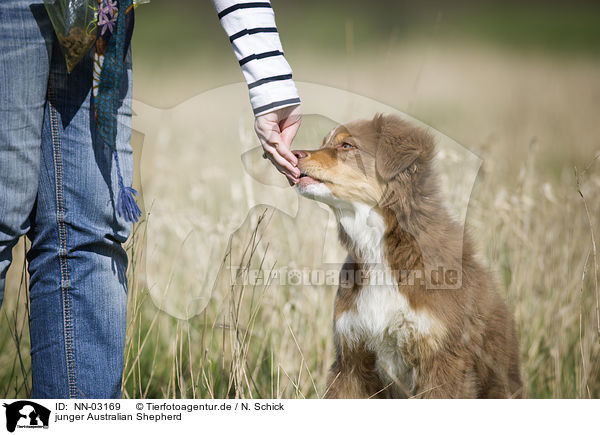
x,y
415,314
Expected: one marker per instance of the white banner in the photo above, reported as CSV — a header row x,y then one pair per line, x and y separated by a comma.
x,y
299,416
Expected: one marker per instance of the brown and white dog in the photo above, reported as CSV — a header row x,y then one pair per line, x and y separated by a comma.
x,y
405,336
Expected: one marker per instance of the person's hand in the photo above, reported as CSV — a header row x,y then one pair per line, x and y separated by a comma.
x,y
276,130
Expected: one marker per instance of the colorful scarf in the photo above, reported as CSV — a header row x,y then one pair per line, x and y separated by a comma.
x,y
115,27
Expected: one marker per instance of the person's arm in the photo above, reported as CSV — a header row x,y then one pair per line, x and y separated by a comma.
x,y
253,34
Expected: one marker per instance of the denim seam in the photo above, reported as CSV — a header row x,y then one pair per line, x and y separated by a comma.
x,y
62,253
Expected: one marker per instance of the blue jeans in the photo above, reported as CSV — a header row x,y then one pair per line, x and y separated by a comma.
x,y
58,186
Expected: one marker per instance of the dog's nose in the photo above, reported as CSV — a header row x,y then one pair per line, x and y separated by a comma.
x,y
300,154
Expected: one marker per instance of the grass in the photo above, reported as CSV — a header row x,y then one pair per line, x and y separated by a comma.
x,y
269,340
266,340
200,326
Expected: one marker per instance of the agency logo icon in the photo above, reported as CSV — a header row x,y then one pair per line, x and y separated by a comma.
x,y
26,414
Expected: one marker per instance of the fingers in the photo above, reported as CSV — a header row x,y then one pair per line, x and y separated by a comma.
x,y
276,130
285,152
289,127
282,165
288,133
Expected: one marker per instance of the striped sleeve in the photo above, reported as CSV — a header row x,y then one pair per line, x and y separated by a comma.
x,y
253,34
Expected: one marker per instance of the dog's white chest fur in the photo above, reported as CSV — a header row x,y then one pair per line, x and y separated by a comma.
x,y
382,320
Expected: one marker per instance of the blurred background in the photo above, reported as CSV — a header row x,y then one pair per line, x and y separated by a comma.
x,y
436,60
515,83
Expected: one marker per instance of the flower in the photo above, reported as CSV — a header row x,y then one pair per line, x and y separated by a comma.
x,y
108,7
107,15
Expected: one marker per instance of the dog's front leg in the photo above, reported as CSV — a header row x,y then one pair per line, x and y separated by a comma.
x,y
446,376
354,377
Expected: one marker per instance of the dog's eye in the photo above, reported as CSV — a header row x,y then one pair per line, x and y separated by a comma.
x,y
347,146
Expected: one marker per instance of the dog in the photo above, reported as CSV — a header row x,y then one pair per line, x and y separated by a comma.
x,y
414,335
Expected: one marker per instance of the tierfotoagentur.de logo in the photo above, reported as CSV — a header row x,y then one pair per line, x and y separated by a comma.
x,y
24,414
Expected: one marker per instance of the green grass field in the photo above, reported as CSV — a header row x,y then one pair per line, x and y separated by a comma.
x,y
524,103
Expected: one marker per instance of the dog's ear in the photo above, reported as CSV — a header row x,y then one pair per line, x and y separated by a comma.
x,y
400,147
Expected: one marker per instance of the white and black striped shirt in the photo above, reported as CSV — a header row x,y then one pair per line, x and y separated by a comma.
x,y
253,35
